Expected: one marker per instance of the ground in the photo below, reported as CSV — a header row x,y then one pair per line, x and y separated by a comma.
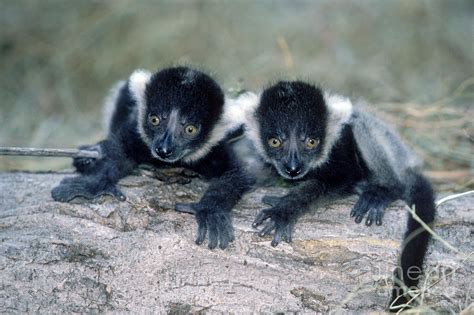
x,y
139,255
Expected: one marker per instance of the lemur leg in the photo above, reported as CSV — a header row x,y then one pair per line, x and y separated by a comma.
x,y
286,210
100,178
213,210
373,201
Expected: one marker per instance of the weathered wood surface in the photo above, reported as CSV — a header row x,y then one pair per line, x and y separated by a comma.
x,y
139,255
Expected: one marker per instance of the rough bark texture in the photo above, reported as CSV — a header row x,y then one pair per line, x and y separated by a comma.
x,y
139,255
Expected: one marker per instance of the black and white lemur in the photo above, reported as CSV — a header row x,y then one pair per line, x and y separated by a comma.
x,y
177,116
328,147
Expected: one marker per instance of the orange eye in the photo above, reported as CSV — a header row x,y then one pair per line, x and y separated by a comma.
x,y
274,142
190,130
312,143
154,120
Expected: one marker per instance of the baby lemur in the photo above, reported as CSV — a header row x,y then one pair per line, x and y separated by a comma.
x,y
177,116
321,142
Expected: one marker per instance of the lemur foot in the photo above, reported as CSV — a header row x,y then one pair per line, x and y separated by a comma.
x,y
279,221
86,165
371,204
75,187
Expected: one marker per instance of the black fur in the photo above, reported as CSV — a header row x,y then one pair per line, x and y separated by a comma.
x,y
295,111
200,102
420,197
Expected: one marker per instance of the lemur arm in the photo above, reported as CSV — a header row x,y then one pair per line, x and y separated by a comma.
x,y
98,177
213,210
286,210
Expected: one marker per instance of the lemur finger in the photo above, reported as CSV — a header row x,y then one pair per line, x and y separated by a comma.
x,y
369,220
212,235
359,218
288,234
223,231
378,217
185,207
231,236
201,235
271,200
230,231
224,239
277,238
202,228
262,216
269,227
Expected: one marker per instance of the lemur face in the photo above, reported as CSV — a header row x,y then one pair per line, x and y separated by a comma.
x,y
292,119
179,109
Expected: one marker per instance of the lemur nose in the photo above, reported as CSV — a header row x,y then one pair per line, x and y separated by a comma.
x,y
293,171
163,152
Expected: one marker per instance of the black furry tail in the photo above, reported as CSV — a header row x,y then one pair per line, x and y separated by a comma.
x,y
419,197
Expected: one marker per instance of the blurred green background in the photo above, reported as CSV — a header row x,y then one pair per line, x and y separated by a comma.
x,y
413,61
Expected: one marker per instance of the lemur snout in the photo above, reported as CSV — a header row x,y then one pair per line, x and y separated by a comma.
x,y
293,170
293,167
163,152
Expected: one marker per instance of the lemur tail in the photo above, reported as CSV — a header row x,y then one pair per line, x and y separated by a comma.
x,y
419,197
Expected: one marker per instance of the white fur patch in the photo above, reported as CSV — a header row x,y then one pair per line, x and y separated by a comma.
x,y
383,151
189,77
252,130
110,104
234,115
137,84
340,111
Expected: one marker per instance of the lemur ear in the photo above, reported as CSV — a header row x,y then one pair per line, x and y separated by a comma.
x,y
137,85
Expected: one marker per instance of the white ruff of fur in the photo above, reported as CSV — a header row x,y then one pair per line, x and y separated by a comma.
x,y
137,85
233,116
252,129
110,103
340,112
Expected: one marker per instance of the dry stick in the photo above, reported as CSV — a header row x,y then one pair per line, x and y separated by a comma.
x,y
74,153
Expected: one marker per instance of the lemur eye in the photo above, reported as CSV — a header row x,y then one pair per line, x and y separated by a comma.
x,y
274,142
312,143
154,120
190,130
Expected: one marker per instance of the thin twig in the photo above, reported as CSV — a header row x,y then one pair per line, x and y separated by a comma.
x,y
50,152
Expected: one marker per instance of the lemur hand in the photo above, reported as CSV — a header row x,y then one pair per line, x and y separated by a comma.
x,y
210,221
373,202
280,219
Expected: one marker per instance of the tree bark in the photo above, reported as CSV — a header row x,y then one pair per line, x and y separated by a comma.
x,y
139,255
